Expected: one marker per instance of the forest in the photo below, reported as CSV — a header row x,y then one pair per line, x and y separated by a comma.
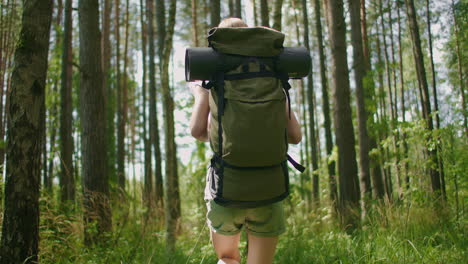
x,y
98,165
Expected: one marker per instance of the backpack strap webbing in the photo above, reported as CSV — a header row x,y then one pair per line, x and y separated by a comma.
x,y
219,84
217,160
249,75
296,165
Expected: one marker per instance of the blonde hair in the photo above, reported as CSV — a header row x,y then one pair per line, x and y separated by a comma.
x,y
232,22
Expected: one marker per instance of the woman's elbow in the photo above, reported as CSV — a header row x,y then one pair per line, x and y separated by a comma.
x,y
295,139
199,133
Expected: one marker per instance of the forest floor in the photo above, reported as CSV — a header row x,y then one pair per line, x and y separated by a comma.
x,y
392,234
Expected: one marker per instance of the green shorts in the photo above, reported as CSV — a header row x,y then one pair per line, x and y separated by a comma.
x,y
265,221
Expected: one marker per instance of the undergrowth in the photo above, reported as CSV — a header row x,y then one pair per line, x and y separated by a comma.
x,y
391,234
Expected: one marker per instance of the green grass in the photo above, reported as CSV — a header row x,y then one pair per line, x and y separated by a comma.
x,y
404,234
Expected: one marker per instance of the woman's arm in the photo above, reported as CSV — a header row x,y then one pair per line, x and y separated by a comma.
x,y
200,113
294,129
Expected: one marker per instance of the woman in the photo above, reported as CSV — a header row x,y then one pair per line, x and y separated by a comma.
x,y
263,224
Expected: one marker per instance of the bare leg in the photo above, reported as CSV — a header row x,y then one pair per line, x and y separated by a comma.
x,y
227,248
261,249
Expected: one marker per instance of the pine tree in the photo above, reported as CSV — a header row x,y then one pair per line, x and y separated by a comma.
x,y
67,180
20,229
347,168
97,212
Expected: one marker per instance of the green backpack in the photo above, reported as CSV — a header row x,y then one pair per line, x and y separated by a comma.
x,y
248,125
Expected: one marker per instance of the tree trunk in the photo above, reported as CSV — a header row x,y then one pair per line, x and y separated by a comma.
x,y
389,70
172,199
6,56
264,14
425,101
381,119
325,104
369,93
46,178
123,107
67,180
402,96
387,60
154,133
238,9
393,99
311,124
215,13
436,104
347,167
110,91
231,8
120,102
277,15
460,68
93,135
359,74
255,15
195,23
20,230
393,105
50,167
53,132
148,180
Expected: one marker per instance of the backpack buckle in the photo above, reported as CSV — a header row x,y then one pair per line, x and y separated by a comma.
x,y
208,85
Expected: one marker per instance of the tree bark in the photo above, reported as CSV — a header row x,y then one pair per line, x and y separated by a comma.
x,y
46,178
215,13
154,133
255,15
238,9
381,119
311,124
67,180
369,93
120,105
402,96
393,105
359,74
110,91
264,13
52,149
277,15
123,108
344,131
389,70
387,60
436,103
93,135
148,180
20,230
460,68
161,26
325,104
195,23
172,197
425,101
231,8
6,56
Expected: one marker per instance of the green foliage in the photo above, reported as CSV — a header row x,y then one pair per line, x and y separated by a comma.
x,y
410,233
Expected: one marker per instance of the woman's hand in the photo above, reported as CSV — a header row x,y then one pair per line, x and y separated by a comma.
x,y
197,90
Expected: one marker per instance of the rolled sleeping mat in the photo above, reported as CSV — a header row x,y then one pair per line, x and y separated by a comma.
x,y
202,63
